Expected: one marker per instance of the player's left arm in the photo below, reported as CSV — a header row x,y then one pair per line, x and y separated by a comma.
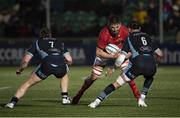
x,y
157,51
125,54
125,51
118,62
158,55
103,54
111,69
67,56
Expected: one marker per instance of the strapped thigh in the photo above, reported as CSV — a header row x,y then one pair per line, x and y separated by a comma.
x,y
99,64
97,71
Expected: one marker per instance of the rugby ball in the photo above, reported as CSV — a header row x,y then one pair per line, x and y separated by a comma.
x,y
112,49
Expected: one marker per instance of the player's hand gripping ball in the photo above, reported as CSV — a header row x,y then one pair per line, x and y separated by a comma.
x,y
112,49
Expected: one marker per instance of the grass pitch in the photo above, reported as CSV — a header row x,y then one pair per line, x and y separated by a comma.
x,y
43,100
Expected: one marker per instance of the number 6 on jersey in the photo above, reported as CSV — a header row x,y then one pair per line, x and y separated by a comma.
x,y
143,39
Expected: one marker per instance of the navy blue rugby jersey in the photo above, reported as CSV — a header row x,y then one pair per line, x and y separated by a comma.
x,y
47,47
139,43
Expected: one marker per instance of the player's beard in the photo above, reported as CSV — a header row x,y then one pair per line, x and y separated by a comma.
x,y
114,33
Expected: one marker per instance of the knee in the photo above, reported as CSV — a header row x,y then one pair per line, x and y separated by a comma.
x,y
121,80
116,85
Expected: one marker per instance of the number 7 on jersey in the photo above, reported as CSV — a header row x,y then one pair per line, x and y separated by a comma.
x,y
52,44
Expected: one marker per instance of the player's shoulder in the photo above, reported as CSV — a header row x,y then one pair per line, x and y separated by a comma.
x,y
123,31
48,39
104,33
139,33
144,34
104,30
124,28
35,42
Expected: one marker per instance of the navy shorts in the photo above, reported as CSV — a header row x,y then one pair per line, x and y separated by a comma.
x,y
141,65
46,69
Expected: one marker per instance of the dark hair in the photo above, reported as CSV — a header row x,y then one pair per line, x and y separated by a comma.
x,y
113,19
134,25
45,33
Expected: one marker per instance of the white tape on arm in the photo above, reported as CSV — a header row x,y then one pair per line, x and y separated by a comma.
x,y
120,60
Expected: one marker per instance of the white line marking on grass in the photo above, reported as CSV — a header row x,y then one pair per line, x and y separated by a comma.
x,y
5,87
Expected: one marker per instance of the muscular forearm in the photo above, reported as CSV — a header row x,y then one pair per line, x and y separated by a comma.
x,y
102,54
24,62
23,65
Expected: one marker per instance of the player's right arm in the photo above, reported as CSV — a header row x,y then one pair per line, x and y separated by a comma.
x,y
26,58
101,53
24,63
101,45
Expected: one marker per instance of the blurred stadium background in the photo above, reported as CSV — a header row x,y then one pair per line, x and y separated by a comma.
x,y
77,23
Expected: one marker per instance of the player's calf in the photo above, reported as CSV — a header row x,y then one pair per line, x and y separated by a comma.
x,y
87,83
134,89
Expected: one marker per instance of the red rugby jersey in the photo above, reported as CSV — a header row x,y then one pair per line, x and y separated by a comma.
x,y
105,37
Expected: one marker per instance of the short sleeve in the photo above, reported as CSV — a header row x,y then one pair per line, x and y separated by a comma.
x,y
102,40
64,48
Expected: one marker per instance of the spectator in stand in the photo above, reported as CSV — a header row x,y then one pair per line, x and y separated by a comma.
x,y
140,14
175,21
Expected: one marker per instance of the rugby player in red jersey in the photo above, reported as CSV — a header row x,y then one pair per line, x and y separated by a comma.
x,y
114,33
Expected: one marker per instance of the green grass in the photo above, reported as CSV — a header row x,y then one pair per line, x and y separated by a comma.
x,y
43,100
